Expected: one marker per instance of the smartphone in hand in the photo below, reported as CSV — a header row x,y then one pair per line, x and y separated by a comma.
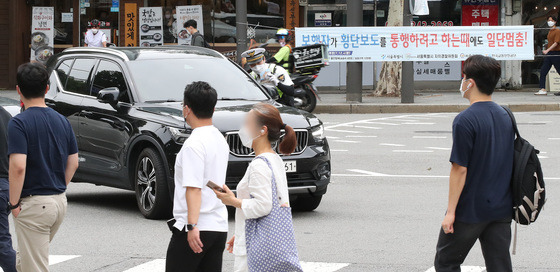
x,y
215,186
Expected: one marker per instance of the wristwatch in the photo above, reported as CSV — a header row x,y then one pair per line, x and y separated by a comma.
x,y
190,226
12,207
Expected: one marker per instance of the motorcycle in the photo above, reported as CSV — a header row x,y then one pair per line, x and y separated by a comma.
x,y
305,93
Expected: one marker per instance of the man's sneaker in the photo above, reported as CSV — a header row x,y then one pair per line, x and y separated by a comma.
x,y
541,92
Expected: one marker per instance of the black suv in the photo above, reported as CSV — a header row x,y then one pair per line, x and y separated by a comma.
x,y
124,105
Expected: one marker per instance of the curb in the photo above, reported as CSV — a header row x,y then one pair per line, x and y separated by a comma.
x,y
357,108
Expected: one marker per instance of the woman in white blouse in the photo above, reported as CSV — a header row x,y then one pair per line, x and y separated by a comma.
x,y
263,127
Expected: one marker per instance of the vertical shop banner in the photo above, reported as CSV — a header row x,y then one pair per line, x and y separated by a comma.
x,y
292,14
151,26
130,24
448,43
480,12
42,34
185,13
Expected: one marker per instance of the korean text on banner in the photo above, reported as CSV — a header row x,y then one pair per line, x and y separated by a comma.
x,y
151,26
420,43
185,13
42,34
130,24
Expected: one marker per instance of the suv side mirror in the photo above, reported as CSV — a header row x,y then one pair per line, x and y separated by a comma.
x,y
109,95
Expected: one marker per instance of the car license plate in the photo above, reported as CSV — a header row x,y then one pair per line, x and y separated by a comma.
x,y
290,166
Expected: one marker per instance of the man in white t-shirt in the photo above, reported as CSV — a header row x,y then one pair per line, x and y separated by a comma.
x,y
94,37
200,220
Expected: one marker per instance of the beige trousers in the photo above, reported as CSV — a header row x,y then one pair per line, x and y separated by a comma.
x,y
240,264
35,226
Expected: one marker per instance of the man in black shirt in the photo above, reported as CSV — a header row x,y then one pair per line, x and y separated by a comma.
x,y
7,253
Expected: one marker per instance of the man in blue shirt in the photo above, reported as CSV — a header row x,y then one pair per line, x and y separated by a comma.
x,y
43,159
480,204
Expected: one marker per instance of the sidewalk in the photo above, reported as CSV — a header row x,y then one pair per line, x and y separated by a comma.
x,y
431,101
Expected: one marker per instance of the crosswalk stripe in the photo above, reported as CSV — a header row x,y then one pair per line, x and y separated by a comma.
x,y
151,266
322,267
54,259
465,269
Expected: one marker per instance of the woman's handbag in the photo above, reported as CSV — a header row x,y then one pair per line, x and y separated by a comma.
x,y
270,240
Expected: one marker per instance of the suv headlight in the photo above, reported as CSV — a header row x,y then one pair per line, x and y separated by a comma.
x,y
318,132
179,135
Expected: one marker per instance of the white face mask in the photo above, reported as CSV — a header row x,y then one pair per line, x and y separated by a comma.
x,y
167,16
94,31
282,43
461,88
246,138
551,23
260,69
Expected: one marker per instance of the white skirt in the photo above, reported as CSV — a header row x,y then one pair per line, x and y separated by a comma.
x,y
240,264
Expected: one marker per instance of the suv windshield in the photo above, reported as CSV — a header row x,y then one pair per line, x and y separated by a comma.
x,y
166,79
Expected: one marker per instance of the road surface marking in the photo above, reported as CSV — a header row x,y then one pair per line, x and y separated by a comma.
x,y
382,123
151,266
342,131
54,259
429,137
386,144
332,137
438,148
417,123
363,136
357,126
554,139
322,267
339,150
376,174
465,269
347,141
413,151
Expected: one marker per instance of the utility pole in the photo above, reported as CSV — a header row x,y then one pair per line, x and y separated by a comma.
x,y
355,13
407,76
241,27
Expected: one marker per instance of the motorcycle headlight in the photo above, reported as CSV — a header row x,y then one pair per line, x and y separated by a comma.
x,y
318,132
179,135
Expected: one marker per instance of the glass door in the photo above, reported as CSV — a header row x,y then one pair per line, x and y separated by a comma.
x,y
107,12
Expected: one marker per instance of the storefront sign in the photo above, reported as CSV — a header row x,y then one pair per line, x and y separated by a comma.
x,y
323,19
130,24
480,12
67,17
420,43
185,13
42,34
292,14
115,6
151,26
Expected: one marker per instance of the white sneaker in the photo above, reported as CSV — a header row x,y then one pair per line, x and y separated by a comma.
x,y
541,92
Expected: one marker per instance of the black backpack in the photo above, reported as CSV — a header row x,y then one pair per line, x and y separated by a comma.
x,y
527,181
197,34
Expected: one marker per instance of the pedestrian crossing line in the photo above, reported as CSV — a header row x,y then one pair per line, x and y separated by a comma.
x,y
55,259
347,141
342,131
151,266
322,267
465,269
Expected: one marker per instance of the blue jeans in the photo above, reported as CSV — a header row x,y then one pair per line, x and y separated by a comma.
x,y
7,253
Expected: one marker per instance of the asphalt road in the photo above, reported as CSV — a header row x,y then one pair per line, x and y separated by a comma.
x,y
382,211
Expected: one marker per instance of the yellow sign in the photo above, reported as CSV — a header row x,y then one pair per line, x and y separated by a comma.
x,y
130,24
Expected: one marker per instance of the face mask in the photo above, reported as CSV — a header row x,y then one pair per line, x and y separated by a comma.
x,y
174,16
282,43
167,16
94,31
551,23
188,32
246,138
260,69
461,88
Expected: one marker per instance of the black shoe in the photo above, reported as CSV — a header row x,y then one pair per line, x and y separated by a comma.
x,y
557,94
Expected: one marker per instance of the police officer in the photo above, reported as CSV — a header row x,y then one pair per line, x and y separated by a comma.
x,y
270,75
282,57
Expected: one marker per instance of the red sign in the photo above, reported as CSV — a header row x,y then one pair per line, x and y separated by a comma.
x,y
480,13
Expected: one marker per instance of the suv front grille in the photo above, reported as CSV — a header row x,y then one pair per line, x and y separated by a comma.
x,y
238,149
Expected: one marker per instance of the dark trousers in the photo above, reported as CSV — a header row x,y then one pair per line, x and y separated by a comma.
x,y
552,58
7,253
494,237
181,258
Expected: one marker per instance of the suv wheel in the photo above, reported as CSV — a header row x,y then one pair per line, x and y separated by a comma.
x,y
307,204
150,182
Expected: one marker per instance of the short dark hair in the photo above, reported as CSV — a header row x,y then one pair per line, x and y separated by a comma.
x,y
201,98
485,71
32,79
553,18
190,22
